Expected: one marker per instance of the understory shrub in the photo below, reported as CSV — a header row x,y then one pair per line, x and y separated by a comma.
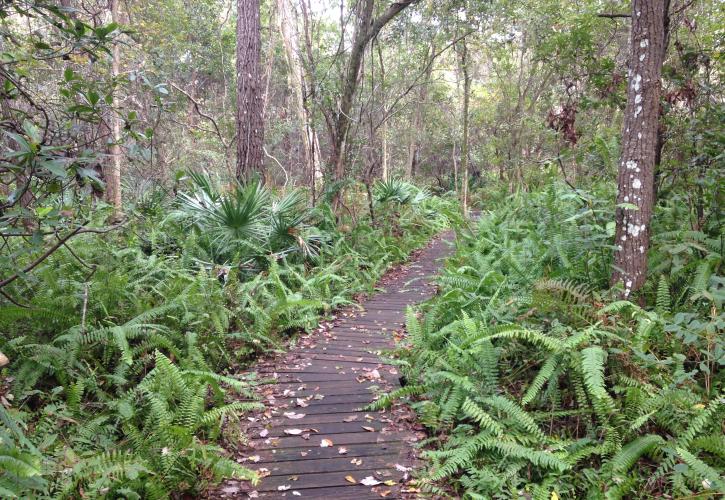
x,y
535,380
123,347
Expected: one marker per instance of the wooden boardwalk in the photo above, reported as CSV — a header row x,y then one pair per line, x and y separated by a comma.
x,y
314,440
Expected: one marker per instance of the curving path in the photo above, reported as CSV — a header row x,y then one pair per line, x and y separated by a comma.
x,y
314,440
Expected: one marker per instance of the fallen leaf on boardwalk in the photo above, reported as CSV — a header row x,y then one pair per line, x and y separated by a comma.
x,y
253,494
293,432
403,468
293,415
293,478
319,396
254,458
356,461
284,487
342,450
369,429
369,481
306,436
297,493
390,482
263,433
350,479
303,453
350,418
385,493
325,443
301,402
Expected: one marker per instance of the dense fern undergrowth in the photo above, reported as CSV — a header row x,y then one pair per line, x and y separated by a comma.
x,y
120,380
537,382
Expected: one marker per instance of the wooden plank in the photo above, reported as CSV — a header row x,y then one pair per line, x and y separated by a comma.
x,y
321,429
333,399
327,385
337,464
350,492
319,418
340,439
322,479
294,391
312,453
306,377
342,357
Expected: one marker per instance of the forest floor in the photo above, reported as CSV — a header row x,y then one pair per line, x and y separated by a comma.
x,y
314,438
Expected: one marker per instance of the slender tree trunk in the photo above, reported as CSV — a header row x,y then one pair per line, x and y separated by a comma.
x,y
416,128
112,167
635,198
455,167
290,37
384,110
250,125
366,29
464,139
384,134
316,175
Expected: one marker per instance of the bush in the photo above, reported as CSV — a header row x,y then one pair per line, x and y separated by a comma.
x,y
536,380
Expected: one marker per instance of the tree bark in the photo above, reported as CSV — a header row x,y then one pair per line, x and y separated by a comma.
x,y
112,167
463,65
635,197
250,104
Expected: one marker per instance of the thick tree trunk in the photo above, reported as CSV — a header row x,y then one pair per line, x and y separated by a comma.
x,y
112,167
250,125
635,197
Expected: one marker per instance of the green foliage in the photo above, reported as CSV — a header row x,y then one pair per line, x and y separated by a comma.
x,y
119,364
534,379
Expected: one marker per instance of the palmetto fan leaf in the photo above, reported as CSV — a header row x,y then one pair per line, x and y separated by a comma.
x,y
288,228
235,222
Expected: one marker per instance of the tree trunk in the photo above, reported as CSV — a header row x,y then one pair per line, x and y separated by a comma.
x,y
290,37
112,167
385,117
366,29
250,125
639,142
417,126
316,175
455,168
463,63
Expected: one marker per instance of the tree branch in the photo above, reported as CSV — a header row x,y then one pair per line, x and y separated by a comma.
x,y
614,16
197,108
61,241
